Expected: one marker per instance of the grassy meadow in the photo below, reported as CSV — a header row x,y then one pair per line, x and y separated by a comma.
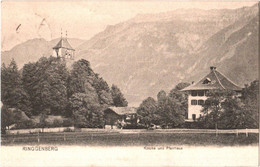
x,y
148,138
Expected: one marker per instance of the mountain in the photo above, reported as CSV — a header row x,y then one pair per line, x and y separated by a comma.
x,y
32,50
234,51
154,52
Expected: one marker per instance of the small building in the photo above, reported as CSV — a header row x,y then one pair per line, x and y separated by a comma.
x,y
119,117
197,91
63,49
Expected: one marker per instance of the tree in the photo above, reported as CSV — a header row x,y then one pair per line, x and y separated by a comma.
x,y
170,112
167,111
234,114
147,112
7,118
250,97
181,97
224,109
46,84
161,96
82,79
43,122
86,110
174,107
30,82
214,107
103,91
54,88
12,91
88,94
79,75
118,98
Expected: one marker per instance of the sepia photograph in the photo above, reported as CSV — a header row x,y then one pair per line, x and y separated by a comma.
x,y
129,83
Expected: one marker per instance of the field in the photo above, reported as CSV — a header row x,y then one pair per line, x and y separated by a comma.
x,y
134,138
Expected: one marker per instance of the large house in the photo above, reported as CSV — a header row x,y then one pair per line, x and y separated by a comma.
x,y
197,91
117,117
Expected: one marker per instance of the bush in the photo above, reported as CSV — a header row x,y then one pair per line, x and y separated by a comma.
x,y
193,125
67,123
68,130
57,123
25,124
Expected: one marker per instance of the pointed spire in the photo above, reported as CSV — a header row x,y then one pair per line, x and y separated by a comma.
x,y
61,32
66,34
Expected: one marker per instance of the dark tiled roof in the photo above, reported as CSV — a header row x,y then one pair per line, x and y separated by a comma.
x,y
215,80
63,43
122,110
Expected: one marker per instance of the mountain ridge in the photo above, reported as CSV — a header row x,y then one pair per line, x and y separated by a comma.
x,y
144,55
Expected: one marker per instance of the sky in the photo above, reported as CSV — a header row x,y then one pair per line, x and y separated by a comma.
x,y
24,20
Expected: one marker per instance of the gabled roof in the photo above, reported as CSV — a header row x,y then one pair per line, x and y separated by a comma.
x,y
122,110
63,43
214,80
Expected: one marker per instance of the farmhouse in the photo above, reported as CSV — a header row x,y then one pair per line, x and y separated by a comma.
x,y
197,91
117,117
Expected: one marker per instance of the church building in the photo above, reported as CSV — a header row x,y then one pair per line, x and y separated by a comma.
x,y
63,49
197,91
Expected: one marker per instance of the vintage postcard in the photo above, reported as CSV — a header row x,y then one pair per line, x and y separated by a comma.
x,y
129,83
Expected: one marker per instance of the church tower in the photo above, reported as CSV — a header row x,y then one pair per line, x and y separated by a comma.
x,y
63,49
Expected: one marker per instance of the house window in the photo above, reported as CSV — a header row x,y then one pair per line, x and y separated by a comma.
x,y
201,93
200,102
206,93
207,81
193,102
194,117
193,93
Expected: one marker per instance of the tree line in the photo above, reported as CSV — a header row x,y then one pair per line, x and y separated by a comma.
x,y
169,111
226,109
48,87
223,109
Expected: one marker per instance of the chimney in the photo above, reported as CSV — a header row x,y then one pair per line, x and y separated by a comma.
x,y
212,68
192,82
